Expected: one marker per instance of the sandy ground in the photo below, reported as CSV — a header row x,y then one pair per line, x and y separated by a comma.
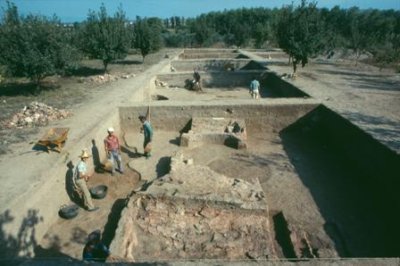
x,y
363,94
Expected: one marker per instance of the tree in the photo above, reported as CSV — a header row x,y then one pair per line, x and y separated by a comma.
x,y
260,34
335,26
386,30
147,35
105,38
299,32
155,25
201,30
33,47
357,32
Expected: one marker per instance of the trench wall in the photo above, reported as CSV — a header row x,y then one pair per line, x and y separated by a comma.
x,y
211,79
373,159
208,53
258,117
209,64
354,179
279,87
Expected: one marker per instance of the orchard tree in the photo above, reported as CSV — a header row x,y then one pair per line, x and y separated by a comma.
x,y
142,37
261,34
201,30
357,31
33,47
299,32
147,35
103,37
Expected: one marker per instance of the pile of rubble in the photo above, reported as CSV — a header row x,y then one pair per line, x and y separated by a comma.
x,y
36,114
100,79
160,83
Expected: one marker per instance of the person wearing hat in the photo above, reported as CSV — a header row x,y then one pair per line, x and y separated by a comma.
x,y
113,150
81,177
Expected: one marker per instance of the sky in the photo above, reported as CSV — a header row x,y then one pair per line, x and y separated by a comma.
x,y
76,10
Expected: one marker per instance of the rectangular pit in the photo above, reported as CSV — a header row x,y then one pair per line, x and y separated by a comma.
x,y
213,65
272,86
332,181
209,53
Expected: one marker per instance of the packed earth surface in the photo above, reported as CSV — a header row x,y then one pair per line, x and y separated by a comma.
x,y
274,192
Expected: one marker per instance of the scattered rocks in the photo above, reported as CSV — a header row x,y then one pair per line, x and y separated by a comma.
x,y
160,83
100,79
36,114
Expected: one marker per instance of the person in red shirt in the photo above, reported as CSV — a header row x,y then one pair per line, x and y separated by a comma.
x,y
113,151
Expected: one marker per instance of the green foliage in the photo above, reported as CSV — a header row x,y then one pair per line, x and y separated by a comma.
x,y
299,32
147,35
34,47
42,47
103,37
261,34
202,30
180,38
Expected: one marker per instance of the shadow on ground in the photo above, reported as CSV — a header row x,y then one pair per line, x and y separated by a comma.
x,y
352,179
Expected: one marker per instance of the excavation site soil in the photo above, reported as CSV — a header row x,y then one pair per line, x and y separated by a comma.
x,y
307,171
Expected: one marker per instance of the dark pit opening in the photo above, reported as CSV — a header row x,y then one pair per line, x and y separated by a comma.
x,y
113,219
282,236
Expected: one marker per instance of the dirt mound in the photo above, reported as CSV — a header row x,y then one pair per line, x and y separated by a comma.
x,y
36,114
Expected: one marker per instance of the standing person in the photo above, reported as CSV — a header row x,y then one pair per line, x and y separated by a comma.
x,y
94,249
113,151
81,177
254,88
147,130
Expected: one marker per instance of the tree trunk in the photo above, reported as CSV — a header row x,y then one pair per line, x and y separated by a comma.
x,y
358,54
294,62
105,64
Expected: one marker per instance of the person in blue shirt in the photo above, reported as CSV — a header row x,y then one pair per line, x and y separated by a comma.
x,y
254,88
147,130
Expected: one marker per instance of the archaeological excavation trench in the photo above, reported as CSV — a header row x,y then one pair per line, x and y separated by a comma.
x,y
232,178
298,174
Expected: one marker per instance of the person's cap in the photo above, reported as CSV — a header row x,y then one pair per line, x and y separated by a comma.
x,y
84,154
110,129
